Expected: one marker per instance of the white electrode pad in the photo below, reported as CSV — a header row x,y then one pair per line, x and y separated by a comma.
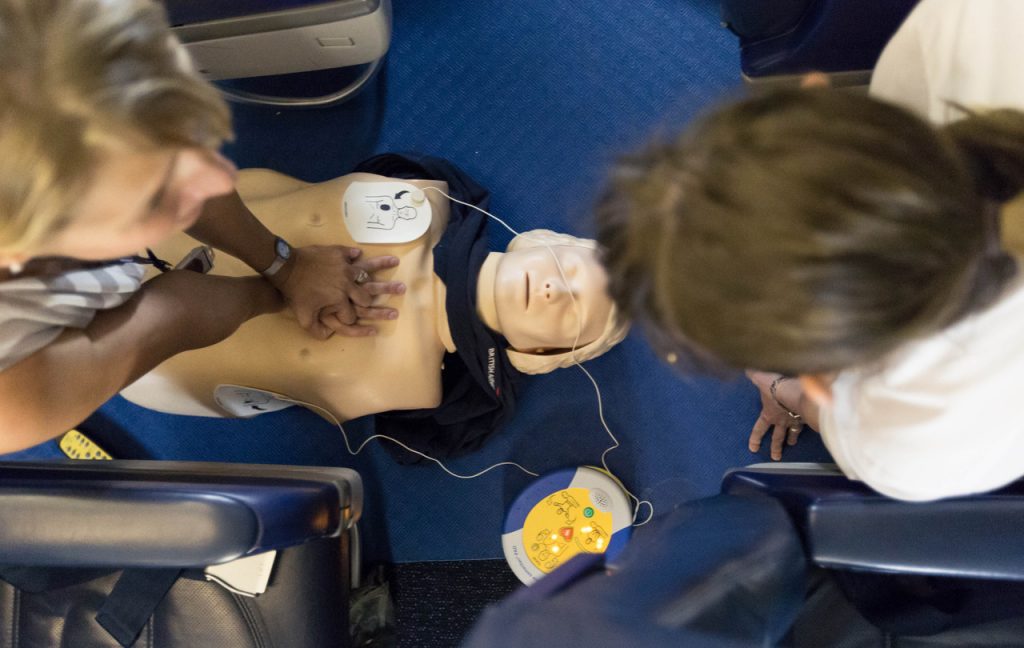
x,y
385,212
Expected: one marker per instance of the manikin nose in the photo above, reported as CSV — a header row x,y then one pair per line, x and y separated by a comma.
x,y
554,290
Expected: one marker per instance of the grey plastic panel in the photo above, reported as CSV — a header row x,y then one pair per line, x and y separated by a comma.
x,y
314,14
173,514
57,528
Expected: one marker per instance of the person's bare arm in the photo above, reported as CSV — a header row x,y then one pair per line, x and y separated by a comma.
x,y
57,387
789,397
316,279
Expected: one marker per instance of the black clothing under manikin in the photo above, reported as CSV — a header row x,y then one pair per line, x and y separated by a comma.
x,y
478,381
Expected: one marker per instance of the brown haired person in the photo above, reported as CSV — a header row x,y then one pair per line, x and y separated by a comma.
x,y
108,145
845,241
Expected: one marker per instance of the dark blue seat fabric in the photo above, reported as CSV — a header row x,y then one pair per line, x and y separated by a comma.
x,y
757,19
163,514
69,530
910,568
787,37
721,571
846,525
731,570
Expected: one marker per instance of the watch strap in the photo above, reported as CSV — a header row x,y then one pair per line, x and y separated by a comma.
x,y
279,260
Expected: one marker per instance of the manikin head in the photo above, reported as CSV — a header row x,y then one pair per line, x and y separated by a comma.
x,y
107,134
547,294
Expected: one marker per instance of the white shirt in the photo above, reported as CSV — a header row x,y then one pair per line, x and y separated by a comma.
x,y
967,51
943,416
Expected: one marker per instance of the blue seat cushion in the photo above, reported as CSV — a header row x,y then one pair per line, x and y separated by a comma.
x,y
831,36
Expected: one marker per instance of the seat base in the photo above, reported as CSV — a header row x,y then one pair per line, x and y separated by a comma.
x,y
305,606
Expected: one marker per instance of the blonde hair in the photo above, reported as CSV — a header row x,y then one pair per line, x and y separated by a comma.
x,y
79,78
614,329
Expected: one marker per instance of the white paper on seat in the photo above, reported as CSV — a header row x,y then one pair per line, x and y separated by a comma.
x,y
246,576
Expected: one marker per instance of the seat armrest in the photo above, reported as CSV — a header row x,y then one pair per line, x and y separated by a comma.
x,y
166,514
830,36
846,525
757,19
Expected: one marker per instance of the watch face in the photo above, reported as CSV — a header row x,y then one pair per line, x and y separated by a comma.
x,y
283,249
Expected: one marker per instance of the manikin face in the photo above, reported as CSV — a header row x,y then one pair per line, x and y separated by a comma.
x,y
534,308
137,199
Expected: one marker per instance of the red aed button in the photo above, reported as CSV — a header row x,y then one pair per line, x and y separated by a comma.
x,y
566,532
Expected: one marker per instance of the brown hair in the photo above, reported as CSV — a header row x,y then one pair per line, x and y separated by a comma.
x,y
79,78
806,231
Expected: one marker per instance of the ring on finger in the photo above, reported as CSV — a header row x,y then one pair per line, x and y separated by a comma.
x,y
362,277
794,429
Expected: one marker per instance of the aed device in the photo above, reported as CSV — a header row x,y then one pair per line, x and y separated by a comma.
x,y
562,514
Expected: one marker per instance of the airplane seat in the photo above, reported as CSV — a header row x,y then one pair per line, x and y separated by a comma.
x,y
101,554
909,568
242,39
780,40
720,571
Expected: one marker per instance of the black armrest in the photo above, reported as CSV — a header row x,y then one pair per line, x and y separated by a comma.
x,y
757,19
846,525
166,514
786,37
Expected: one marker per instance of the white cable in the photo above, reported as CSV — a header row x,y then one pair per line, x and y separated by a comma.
x,y
485,213
615,445
579,332
348,446
575,344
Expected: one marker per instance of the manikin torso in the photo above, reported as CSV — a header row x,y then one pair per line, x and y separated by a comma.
x,y
399,368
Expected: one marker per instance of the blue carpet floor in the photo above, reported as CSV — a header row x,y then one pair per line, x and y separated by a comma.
x,y
535,99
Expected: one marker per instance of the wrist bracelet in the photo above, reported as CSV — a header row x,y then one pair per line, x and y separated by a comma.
x,y
775,383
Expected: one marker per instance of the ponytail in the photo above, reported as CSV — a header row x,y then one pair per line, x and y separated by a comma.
x,y
993,145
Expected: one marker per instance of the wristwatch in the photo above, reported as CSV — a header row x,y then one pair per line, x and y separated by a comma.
x,y
282,252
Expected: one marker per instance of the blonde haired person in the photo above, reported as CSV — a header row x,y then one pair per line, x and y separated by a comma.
x,y
108,145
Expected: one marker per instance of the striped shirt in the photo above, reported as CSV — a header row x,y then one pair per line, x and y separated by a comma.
x,y
35,310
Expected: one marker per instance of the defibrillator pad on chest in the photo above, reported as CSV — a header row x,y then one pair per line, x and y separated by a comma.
x,y
385,212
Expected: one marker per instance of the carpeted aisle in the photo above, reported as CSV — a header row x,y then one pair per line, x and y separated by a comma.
x,y
436,603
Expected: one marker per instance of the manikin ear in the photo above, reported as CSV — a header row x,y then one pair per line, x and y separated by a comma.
x,y
818,388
